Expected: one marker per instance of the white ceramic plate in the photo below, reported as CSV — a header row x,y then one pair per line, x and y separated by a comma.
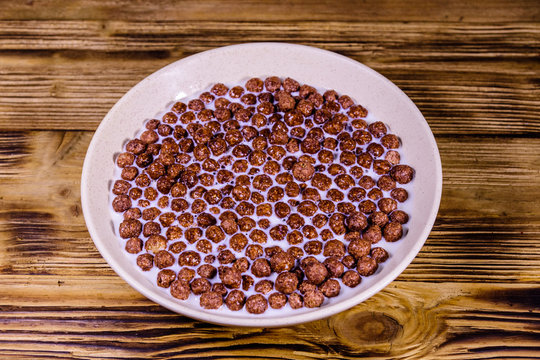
x,y
236,64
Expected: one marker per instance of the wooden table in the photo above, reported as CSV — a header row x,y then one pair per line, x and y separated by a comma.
x,y
471,67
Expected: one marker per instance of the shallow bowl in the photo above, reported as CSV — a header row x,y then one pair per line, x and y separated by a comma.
x,y
235,64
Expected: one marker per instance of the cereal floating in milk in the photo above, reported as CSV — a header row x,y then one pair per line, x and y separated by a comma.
x,y
263,197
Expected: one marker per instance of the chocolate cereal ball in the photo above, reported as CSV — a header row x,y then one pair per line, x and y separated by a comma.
x,y
132,214
337,224
164,259
316,272
387,205
393,231
235,300
264,286
366,266
330,288
180,290
379,254
351,278
349,261
130,228
306,286
145,261
151,228
277,300
272,83
121,203
295,252
256,304
303,171
186,274
134,245
334,266
378,218
247,282
165,278
392,157
399,194
189,258
313,298
286,282
378,129
372,234
313,247
211,300
221,177
200,285
220,289
207,271
282,261
399,216
230,277
296,301
356,222
242,264
334,248
254,251
403,174
386,183
359,248
261,268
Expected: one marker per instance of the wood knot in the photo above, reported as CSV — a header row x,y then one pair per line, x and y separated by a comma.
x,y
65,192
75,210
366,327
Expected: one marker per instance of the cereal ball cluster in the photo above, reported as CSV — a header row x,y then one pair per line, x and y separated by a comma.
x,y
262,195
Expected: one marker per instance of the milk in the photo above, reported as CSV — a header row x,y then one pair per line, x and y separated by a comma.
x,y
151,275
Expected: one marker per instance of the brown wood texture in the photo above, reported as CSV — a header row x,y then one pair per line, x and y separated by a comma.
x,y
473,69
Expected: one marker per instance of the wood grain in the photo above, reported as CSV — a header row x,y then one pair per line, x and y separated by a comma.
x,y
404,319
74,71
472,68
468,243
260,10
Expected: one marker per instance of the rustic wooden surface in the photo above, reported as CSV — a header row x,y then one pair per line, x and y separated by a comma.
x,y
473,69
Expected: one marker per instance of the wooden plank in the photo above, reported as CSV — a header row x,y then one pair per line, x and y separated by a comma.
x,y
411,40
43,231
74,71
90,318
77,96
295,10
471,67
